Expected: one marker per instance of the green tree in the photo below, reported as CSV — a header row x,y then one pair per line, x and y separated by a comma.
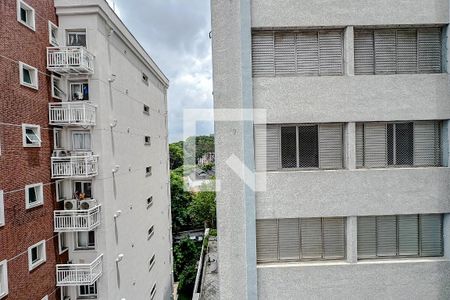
x,y
181,200
186,254
176,155
203,144
203,208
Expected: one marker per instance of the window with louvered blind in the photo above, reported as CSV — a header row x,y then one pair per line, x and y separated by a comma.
x,y
292,53
397,51
415,143
300,239
299,146
400,236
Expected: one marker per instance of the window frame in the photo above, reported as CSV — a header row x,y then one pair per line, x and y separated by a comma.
x,y
51,27
2,209
57,138
147,140
32,22
37,131
4,278
34,76
42,252
394,145
84,133
88,247
39,195
77,32
78,83
62,243
55,86
89,295
82,184
59,187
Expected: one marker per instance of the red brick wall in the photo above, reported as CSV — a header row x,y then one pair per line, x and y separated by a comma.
x,y
20,166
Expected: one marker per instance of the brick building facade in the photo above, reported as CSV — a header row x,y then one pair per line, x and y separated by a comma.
x,y
20,165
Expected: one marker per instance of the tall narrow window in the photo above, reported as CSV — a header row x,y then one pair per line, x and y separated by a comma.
x,y
36,255
400,143
3,278
153,292
34,195
289,147
52,34
28,76
57,88
26,15
308,147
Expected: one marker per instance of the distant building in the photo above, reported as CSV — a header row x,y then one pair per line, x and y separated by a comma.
x,y
354,147
198,177
207,158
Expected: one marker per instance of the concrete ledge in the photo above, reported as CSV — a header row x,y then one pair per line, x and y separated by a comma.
x,y
353,98
293,194
279,13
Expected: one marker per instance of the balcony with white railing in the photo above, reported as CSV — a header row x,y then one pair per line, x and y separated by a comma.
x,y
78,113
77,220
76,165
70,60
79,274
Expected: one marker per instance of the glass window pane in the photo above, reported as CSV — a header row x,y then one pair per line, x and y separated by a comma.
x,y
404,143
390,144
26,76
32,196
308,146
23,15
288,147
34,254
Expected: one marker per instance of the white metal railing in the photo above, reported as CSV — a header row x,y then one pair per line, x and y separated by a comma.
x,y
75,166
79,113
79,274
70,59
77,220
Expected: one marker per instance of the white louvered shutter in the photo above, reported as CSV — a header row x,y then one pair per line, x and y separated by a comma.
x,y
408,235
367,237
407,51
285,58
263,54
386,236
431,235
289,239
331,52
375,145
267,240
273,148
426,143
330,146
311,238
385,52
260,135
429,46
364,53
307,53
333,238
359,144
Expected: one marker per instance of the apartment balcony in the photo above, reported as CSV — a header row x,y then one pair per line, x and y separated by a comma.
x,y
70,60
75,165
79,274
78,113
77,220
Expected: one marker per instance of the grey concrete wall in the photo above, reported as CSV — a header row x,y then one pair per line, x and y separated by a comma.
x,y
353,98
294,194
389,279
298,13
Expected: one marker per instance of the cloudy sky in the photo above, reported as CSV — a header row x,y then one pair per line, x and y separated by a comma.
x,y
175,34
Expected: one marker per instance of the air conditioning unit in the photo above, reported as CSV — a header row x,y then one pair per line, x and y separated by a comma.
x,y
70,204
60,153
88,204
66,298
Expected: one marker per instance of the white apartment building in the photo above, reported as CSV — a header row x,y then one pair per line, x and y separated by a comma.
x,y
110,158
355,149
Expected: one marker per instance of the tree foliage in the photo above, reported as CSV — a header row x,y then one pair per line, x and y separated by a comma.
x,y
181,200
203,144
203,208
176,155
186,254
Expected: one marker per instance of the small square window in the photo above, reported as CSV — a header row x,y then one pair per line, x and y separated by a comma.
x,y
52,34
150,232
34,195
148,171
147,140
31,135
25,15
153,292
60,194
28,76
146,109
62,243
57,88
76,38
88,291
149,201
3,278
36,255
79,91
151,262
144,78
85,240
2,210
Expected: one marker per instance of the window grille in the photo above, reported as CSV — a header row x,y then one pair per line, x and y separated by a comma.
x,y
290,53
300,239
400,236
381,144
397,51
299,146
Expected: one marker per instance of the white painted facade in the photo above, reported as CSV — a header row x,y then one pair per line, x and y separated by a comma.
x,y
133,199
